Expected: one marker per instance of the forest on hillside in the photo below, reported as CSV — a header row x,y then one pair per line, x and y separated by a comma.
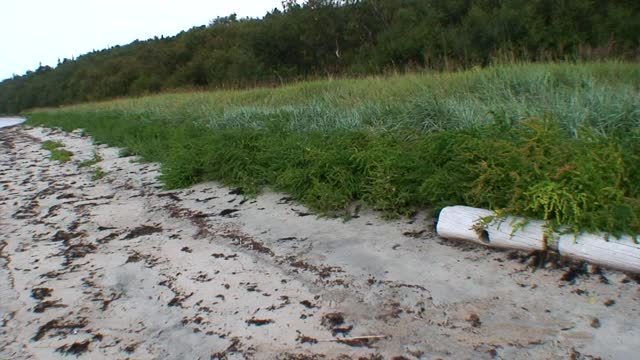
x,y
319,38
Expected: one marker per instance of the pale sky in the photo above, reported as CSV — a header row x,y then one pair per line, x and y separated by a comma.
x,y
34,31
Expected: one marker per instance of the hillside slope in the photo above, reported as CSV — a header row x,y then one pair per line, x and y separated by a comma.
x,y
337,37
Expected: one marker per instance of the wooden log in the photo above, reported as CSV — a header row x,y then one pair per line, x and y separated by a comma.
x,y
465,223
459,222
10,121
517,233
622,254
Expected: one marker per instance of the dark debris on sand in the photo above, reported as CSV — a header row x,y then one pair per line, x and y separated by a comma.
x,y
77,348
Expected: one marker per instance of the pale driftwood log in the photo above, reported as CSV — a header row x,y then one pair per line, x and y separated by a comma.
x,y
623,253
464,223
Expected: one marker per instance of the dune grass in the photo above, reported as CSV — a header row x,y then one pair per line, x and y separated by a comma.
x,y
61,155
52,145
96,159
559,142
98,174
58,153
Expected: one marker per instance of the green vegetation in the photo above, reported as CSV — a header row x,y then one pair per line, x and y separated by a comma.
x,y
96,159
326,38
57,151
61,155
558,142
124,153
52,145
98,174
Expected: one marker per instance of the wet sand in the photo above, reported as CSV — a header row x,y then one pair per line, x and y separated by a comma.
x,y
120,268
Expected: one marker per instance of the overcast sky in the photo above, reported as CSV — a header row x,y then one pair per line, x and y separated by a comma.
x,y
34,31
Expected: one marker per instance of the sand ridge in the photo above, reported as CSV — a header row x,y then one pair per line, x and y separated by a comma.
x,y
120,268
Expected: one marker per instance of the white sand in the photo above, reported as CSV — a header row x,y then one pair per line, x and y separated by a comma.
x,y
148,274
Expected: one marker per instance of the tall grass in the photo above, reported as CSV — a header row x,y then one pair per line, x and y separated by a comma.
x,y
559,142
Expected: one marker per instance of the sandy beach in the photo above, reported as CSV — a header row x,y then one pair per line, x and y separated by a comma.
x,y
117,268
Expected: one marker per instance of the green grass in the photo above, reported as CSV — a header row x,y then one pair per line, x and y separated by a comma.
x,y
96,159
51,145
57,151
124,153
559,142
61,155
98,174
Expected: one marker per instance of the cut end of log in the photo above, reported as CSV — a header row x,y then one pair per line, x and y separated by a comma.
x,y
467,223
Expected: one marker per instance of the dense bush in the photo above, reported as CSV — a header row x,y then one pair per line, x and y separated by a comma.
x,y
554,142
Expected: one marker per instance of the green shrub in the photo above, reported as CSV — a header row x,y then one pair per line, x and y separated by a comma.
x,y
557,142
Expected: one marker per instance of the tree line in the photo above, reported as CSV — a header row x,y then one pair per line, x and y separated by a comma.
x,y
337,37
